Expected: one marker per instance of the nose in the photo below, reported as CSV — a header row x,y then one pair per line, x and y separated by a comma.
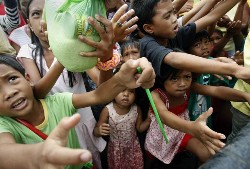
x,y
125,93
9,93
182,83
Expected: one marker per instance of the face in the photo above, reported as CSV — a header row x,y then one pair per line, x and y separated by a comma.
x,y
126,98
16,96
34,18
164,23
130,52
216,37
177,86
201,47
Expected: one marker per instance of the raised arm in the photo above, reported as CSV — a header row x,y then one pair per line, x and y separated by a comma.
x,y
204,10
215,14
178,4
127,77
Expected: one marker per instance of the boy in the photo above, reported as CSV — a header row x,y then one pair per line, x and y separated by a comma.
x,y
19,108
158,22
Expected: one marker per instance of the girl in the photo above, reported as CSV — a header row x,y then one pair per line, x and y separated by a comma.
x,y
19,107
171,101
37,59
119,120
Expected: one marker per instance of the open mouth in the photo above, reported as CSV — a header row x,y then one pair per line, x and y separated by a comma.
x,y
19,104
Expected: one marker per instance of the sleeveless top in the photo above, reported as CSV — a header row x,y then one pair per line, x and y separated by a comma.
x,y
155,142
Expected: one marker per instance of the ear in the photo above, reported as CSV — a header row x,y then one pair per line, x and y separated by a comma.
x,y
27,77
148,28
28,22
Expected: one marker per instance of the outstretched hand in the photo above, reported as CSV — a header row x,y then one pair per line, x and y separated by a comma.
x,y
104,48
122,23
129,77
54,154
208,137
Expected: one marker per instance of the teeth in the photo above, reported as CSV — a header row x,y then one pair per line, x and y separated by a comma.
x,y
17,103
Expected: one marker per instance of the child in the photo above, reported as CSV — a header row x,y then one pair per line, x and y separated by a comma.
x,y
162,35
130,49
201,46
119,119
171,101
18,102
158,21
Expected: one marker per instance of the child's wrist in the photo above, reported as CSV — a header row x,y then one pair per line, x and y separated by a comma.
x,y
109,64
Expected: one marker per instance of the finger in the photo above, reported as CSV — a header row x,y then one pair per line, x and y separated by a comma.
x,y
88,41
126,16
43,26
107,25
96,25
62,130
130,30
66,156
147,74
90,54
119,13
214,146
131,22
219,77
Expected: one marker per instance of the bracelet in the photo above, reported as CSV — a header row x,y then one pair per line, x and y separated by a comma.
x,y
110,64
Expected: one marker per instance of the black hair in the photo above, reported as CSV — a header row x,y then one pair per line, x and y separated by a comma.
x,y
145,11
171,73
219,32
12,62
130,42
198,36
37,52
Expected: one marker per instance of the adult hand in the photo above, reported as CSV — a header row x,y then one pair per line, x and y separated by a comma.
x,y
208,137
104,48
122,23
54,154
129,77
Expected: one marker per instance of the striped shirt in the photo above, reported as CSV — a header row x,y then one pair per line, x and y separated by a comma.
x,y
11,19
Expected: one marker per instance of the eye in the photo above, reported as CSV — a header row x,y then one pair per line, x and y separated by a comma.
x,y
174,79
12,79
188,77
35,14
197,45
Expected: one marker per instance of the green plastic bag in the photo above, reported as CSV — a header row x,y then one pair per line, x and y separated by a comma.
x,y
66,20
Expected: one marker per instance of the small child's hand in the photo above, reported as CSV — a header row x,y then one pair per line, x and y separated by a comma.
x,y
208,137
104,129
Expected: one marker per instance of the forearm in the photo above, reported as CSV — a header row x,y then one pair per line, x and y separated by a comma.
x,y
199,65
96,132
144,126
21,156
203,11
104,76
45,84
177,123
222,43
178,4
215,14
227,93
192,12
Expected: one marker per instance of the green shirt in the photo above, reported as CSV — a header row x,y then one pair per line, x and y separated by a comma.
x,y
55,108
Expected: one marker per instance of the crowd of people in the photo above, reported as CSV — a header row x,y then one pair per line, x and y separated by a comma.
x,y
194,57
